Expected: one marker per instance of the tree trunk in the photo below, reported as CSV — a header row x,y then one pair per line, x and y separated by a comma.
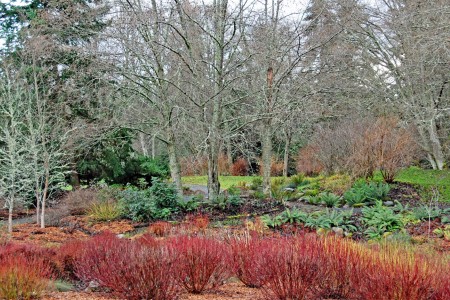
x,y
432,145
45,192
266,157
143,144
287,145
267,135
10,213
213,171
154,146
213,140
436,147
174,164
213,143
38,206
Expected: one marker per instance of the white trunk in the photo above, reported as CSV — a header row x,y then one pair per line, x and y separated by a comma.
x,y
143,144
10,213
45,192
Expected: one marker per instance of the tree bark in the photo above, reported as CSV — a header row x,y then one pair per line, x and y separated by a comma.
x,y
174,164
267,157
10,213
267,135
45,192
143,144
436,146
287,145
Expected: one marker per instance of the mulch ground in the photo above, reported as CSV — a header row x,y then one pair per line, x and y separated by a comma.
x,y
232,290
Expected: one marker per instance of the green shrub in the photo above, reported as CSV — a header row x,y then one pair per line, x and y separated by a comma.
x,y
156,202
138,205
163,194
380,219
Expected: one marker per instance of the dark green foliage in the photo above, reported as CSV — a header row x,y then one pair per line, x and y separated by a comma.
x,y
188,206
164,195
330,199
380,219
363,192
113,159
156,202
272,222
329,219
294,216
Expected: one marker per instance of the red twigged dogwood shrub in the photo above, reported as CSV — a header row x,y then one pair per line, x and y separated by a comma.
x,y
24,271
65,258
249,260
400,274
291,269
131,270
201,263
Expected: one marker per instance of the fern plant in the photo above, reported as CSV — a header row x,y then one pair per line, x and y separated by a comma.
x,y
293,216
270,222
330,199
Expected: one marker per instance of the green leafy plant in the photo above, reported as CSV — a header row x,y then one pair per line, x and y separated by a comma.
x,y
270,222
362,192
314,200
331,218
330,199
188,206
380,219
298,180
427,212
318,220
163,194
219,202
156,202
256,183
234,200
259,195
354,197
293,216
443,232
233,191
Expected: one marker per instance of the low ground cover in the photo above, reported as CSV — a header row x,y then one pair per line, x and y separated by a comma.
x,y
333,225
